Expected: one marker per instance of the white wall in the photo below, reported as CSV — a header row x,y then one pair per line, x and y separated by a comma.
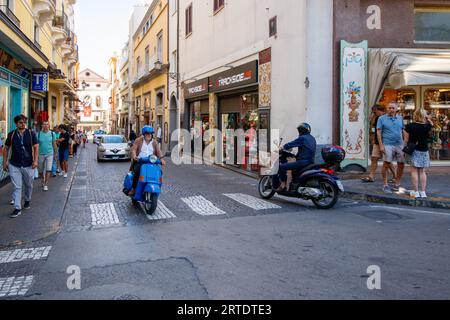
x,y
320,68
237,34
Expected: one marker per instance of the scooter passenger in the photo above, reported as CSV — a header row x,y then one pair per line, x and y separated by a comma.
x,y
307,146
144,147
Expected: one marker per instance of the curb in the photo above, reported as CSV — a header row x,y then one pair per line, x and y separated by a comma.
x,y
435,204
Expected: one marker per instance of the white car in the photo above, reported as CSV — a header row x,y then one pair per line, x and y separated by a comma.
x,y
112,147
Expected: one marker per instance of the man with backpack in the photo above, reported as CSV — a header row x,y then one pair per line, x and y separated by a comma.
x,y
47,151
20,159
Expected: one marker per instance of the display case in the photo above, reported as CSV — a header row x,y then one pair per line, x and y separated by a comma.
x,y
437,104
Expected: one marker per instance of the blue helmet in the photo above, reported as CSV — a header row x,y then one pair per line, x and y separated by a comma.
x,y
147,129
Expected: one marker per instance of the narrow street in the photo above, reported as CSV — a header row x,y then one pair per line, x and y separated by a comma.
x,y
214,238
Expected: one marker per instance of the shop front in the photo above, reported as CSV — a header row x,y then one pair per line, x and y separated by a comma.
x,y
416,79
14,100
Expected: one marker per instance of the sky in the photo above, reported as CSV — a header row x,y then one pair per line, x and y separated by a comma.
x,y
102,29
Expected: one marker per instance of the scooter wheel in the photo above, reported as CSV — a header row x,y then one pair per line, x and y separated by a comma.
x,y
265,188
151,203
332,197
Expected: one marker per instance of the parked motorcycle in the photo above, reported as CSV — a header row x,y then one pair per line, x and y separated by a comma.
x,y
315,182
150,184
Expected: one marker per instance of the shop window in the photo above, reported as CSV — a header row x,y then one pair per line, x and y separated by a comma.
x,y
432,24
437,103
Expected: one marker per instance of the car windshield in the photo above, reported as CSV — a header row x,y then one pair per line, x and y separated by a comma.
x,y
114,139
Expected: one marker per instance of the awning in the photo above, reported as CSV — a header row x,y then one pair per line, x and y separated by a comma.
x,y
406,67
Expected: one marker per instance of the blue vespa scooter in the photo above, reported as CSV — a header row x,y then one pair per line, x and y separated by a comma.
x,y
150,184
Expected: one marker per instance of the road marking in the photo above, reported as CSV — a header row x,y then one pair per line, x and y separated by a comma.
x,y
104,214
252,202
202,206
412,211
24,254
12,287
162,213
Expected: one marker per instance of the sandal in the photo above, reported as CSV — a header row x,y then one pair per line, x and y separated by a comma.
x,y
368,180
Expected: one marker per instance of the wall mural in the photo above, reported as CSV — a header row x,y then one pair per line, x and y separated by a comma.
x,y
353,101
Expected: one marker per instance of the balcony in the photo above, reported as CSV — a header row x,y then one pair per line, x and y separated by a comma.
x,y
44,10
59,29
10,15
150,71
73,57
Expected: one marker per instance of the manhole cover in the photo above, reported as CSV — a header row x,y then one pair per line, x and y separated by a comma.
x,y
127,297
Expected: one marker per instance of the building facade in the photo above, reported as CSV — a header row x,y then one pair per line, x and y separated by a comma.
x,y
256,65
38,63
402,51
150,70
95,109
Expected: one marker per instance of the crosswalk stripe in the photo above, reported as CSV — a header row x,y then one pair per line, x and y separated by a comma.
x,y
24,254
15,286
203,206
252,202
162,213
104,214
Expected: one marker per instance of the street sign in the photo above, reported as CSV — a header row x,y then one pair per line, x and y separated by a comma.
x,y
40,82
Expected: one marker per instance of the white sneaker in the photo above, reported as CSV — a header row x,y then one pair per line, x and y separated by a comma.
x,y
65,175
423,195
415,195
12,202
45,188
61,174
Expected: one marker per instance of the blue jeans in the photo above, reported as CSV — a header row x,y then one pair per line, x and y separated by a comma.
x,y
294,166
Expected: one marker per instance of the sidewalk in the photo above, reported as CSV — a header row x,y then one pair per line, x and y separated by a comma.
x,y
45,216
438,190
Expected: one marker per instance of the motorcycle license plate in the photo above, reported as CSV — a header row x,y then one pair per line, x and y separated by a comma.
x,y
341,186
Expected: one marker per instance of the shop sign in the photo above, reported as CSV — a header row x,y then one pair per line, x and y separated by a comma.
x,y
40,82
236,77
16,80
354,105
196,89
4,75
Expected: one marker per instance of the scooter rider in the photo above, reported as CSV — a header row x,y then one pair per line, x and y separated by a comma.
x,y
306,145
144,147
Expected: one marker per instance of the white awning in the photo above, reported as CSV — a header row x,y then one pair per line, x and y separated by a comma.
x,y
406,67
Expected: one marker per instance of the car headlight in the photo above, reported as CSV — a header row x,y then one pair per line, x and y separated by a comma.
x,y
101,149
127,149
153,159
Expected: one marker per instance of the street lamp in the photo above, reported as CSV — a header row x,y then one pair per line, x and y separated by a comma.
x,y
84,85
172,75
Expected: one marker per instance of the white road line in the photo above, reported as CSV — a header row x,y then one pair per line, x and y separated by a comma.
x,y
24,254
202,206
104,214
12,286
162,213
412,211
252,202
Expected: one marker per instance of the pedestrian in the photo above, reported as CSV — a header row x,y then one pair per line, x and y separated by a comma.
x,y
159,135
390,130
76,142
56,166
378,111
47,152
20,158
133,136
84,137
63,153
71,142
417,135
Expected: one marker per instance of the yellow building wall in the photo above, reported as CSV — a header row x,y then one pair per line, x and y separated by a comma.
x,y
23,13
150,39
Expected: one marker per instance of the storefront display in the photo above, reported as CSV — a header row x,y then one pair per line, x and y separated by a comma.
x,y
436,102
